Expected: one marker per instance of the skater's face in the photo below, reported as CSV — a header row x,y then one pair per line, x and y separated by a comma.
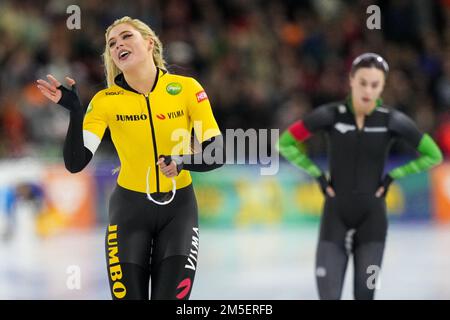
x,y
128,48
366,84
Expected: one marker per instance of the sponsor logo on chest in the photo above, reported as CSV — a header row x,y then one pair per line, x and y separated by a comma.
x,y
142,117
345,127
131,117
170,115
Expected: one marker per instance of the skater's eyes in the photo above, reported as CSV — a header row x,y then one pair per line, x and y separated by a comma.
x,y
125,36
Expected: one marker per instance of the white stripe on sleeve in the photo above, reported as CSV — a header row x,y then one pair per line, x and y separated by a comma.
x,y
91,141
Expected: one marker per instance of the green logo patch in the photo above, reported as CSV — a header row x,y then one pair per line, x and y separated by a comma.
x,y
174,88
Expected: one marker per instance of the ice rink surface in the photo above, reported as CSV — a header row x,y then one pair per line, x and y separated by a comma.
x,y
264,263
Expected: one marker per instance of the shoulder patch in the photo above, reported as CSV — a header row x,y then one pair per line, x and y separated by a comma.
x,y
201,95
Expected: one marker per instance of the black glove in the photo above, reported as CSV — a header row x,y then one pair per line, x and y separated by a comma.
x,y
70,99
323,183
177,159
386,182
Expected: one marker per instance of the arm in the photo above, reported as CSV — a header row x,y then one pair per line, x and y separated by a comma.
x,y
429,156
429,153
207,132
198,162
291,143
79,145
295,152
208,160
76,155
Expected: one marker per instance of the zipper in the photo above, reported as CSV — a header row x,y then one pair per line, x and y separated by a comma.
x,y
355,175
155,149
358,146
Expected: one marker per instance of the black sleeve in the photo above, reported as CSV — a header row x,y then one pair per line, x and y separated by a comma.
x,y
320,118
404,127
208,160
76,155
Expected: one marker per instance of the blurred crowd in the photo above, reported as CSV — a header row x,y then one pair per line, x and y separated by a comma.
x,y
264,64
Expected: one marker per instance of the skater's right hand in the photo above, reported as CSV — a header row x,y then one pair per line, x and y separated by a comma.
x,y
325,186
330,192
57,93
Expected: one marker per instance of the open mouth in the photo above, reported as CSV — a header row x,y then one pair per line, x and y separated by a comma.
x,y
124,54
365,100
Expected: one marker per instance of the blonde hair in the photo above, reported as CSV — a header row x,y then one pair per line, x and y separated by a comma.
x,y
111,70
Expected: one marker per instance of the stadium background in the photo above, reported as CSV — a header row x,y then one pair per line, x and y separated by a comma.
x,y
264,64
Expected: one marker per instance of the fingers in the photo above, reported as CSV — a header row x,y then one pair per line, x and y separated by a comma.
x,y
70,81
50,88
51,95
53,81
161,162
330,192
379,192
171,168
170,173
47,85
168,170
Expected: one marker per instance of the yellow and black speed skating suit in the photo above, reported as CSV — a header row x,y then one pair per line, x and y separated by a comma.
x,y
145,240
